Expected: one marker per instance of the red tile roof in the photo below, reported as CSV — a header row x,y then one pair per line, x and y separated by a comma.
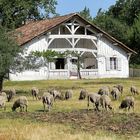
x,y
36,28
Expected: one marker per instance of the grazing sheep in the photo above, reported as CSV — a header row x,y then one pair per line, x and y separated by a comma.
x,y
128,102
3,94
68,94
134,90
105,102
56,94
3,102
12,93
115,93
35,92
47,99
120,88
94,98
103,90
20,102
83,94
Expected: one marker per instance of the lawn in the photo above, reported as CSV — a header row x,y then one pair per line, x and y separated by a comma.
x,y
70,119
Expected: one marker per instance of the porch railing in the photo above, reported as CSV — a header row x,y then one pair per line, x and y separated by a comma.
x,y
89,73
65,74
60,73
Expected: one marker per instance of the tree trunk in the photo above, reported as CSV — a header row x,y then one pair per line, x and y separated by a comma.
x,y
1,83
78,68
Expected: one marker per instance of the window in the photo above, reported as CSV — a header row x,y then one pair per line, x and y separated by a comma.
x,y
113,63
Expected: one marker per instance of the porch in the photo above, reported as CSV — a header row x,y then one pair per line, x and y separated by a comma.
x,y
66,74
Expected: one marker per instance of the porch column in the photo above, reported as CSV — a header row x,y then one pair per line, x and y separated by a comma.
x,y
68,63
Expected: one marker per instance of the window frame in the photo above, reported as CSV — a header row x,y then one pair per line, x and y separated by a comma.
x,y
113,63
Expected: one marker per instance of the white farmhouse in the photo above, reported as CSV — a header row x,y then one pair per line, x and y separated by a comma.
x,y
105,57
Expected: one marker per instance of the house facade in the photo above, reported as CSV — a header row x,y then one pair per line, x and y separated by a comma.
x,y
103,56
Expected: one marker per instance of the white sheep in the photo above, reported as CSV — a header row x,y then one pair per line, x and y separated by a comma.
x,y
128,102
83,94
95,99
47,99
115,93
105,102
35,92
134,90
3,102
21,102
68,94
104,90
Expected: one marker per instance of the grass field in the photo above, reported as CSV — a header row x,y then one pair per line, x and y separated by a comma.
x,y
70,119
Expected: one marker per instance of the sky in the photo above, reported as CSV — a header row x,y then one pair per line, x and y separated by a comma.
x,y
71,6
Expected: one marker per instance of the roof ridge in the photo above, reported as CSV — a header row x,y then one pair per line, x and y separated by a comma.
x,y
35,21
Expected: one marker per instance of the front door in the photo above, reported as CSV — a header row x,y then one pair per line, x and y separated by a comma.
x,y
73,67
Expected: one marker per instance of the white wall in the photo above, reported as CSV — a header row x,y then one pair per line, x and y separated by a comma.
x,y
105,50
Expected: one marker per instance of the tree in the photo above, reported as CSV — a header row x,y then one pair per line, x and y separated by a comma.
x,y
112,26
125,10
86,14
8,51
122,22
134,40
14,13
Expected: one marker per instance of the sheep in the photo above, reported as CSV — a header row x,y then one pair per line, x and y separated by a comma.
x,y
105,102
3,94
94,98
47,99
128,102
35,92
56,94
12,93
103,90
20,102
83,94
68,94
115,93
3,102
120,88
134,90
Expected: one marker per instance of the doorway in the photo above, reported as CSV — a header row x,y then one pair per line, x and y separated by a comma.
x,y
60,63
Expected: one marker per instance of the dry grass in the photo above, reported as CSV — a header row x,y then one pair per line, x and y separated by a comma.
x,y
21,130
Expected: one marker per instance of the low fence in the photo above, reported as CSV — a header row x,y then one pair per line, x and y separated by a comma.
x,y
133,72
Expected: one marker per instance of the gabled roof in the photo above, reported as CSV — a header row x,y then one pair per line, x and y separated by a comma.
x,y
36,28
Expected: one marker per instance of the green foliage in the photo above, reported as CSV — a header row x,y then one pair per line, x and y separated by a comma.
x,y
125,10
113,26
49,55
86,14
122,21
8,51
14,13
134,38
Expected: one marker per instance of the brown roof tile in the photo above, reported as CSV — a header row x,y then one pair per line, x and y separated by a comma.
x,y
36,28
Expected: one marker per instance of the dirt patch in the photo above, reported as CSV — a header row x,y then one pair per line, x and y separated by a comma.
x,y
91,121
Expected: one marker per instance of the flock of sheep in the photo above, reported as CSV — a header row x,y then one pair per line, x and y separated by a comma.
x,y
100,99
